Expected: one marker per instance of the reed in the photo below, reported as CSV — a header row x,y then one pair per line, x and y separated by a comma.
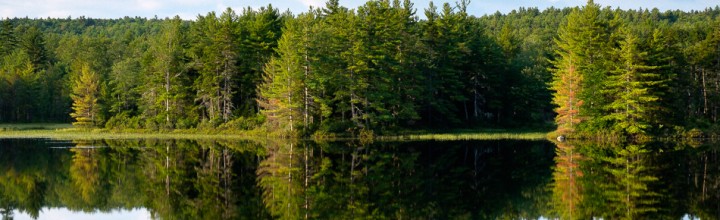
x,y
66,131
469,136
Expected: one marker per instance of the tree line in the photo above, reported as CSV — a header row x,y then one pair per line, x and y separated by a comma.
x,y
376,67
636,73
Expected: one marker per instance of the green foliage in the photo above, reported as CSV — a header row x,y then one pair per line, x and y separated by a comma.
x,y
85,99
631,84
123,121
244,123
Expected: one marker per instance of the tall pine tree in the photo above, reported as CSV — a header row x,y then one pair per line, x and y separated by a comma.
x,y
85,98
579,70
630,86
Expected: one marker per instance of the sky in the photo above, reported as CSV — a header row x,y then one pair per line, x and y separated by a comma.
x,y
65,214
189,9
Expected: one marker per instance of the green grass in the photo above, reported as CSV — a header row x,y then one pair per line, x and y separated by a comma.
x,y
66,131
470,134
33,126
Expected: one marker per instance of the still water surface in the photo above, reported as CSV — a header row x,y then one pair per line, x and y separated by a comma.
x,y
229,179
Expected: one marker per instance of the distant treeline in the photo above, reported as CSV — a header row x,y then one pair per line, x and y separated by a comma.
x,y
377,67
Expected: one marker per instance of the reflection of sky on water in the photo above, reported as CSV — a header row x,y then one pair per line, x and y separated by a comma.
x,y
65,214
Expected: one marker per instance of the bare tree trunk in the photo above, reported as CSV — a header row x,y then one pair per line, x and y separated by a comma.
x,y
289,95
167,94
353,113
475,104
307,181
167,169
307,95
704,88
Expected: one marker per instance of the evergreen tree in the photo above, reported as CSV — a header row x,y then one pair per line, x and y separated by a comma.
x,y
164,92
443,78
631,85
567,79
85,98
282,94
259,33
579,71
20,77
384,80
338,99
8,39
216,55
33,42
566,83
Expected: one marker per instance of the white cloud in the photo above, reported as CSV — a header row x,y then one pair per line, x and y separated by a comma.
x,y
149,4
314,3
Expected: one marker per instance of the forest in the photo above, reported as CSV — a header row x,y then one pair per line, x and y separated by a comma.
x,y
378,67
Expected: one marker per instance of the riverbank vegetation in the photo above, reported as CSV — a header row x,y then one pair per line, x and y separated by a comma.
x,y
68,132
373,70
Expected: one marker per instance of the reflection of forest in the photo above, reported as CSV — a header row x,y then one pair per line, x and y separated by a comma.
x,y
173,179
635,181
419,180
183,179
211,179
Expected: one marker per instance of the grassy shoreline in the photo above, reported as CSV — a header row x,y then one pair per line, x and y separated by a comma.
x,y
66,131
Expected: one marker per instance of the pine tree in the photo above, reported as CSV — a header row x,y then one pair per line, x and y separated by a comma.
x,y
567,78
8,39
567,82
279,93
384,80
579,72
260,31
217,55
443,78
631,85
85,98
164,91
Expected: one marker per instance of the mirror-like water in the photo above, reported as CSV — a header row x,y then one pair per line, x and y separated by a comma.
x,y
223,179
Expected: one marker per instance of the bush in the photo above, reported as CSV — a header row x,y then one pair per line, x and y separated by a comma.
x,y
243,123
123,121
323,135
336,126
186,123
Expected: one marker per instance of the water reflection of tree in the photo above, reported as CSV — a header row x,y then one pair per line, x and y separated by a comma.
x,y
26,173
202,179
612,181
278,177
567,191
350,180
85,171
212,179
697,169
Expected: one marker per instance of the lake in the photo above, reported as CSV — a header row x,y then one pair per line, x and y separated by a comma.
x,y
275,179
